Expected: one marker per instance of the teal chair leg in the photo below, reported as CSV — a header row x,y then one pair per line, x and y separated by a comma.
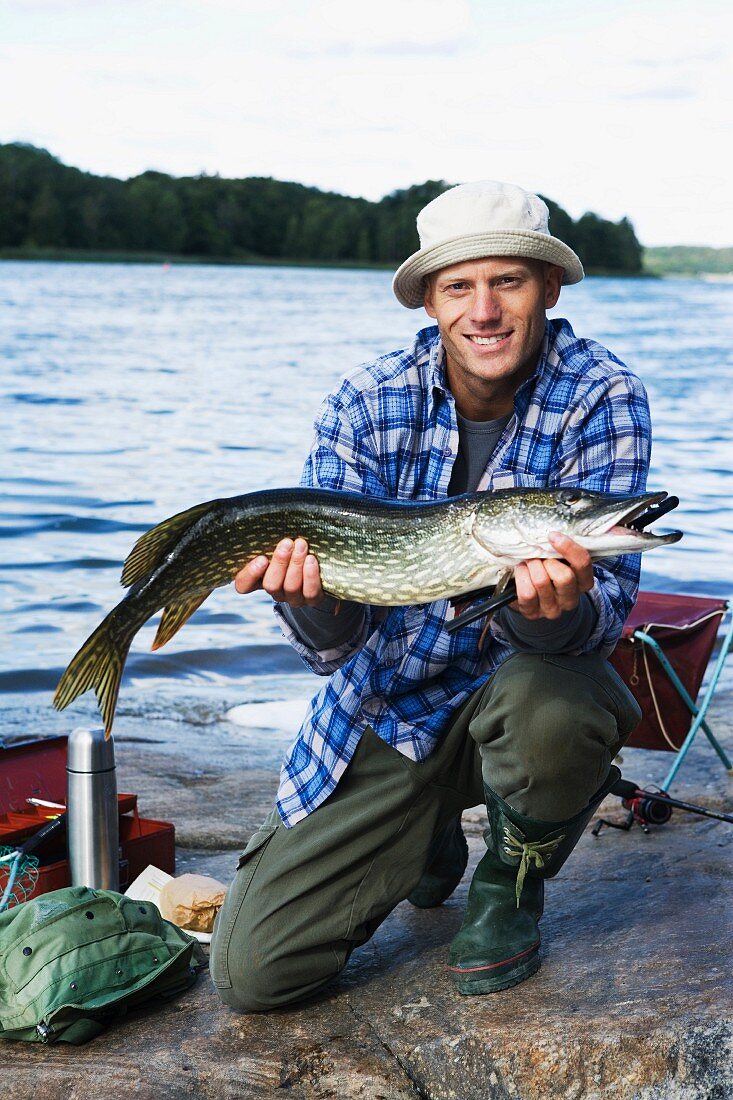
x,y
698,713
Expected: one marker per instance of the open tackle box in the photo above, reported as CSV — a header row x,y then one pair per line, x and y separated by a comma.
x,y
37,769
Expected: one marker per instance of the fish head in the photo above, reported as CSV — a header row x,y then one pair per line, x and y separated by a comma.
x,y
514,524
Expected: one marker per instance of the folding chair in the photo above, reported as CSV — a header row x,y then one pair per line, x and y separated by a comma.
x,y
662,656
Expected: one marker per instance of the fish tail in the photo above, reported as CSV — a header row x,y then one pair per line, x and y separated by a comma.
x,y
98,664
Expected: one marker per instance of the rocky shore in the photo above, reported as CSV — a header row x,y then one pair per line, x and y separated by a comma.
x,y
633,1000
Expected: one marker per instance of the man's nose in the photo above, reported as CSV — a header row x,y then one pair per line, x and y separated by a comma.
x,y
486,306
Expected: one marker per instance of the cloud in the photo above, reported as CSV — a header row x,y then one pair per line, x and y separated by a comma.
x,y
661,91
593,107
396,49
332,28
666,61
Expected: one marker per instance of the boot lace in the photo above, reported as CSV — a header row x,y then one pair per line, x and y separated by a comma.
x,y
530,853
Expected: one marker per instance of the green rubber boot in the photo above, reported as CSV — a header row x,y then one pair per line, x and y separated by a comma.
x,y
445,867
498,944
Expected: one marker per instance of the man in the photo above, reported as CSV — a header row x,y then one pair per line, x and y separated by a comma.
x,y
415,724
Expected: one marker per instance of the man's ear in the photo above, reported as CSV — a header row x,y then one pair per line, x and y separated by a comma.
x,y
553,284
428,296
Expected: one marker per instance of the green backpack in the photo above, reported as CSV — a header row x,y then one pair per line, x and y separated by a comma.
x,y
74,959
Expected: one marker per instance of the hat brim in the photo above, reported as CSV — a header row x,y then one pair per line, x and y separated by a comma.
x,y
408,283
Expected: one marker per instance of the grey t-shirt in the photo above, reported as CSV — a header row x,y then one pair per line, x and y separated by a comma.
x,y
321,629
477,441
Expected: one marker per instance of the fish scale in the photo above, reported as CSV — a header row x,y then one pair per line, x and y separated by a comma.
x,y
372,551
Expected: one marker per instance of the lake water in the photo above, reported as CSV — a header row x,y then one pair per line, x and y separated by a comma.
x,y
130,392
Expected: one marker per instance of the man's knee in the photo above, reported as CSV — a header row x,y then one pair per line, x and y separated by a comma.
x,y
276,983
248,966
548,728
243,1000
252,989
549,696
259,964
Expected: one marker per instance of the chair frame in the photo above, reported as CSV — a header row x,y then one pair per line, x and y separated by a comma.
x,y
698,712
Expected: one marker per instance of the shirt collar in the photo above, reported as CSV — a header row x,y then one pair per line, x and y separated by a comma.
x,y
522,394
436,364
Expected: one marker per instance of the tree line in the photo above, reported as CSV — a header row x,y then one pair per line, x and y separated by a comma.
x,y
689,260
47,205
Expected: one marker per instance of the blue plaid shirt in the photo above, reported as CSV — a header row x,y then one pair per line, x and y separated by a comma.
x,y
390,430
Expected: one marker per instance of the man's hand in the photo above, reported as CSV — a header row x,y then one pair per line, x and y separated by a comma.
x,y
291,576
547,586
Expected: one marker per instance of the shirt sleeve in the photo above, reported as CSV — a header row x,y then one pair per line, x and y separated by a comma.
x,y
566,634
344,454
328,626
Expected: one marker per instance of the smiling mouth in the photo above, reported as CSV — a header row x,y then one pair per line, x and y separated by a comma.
x,y
488,341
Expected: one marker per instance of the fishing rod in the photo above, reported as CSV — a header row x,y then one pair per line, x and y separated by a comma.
x,y
651,808
22,865
509,593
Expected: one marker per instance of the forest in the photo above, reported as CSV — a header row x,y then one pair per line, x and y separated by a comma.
x,y
689,260
50,208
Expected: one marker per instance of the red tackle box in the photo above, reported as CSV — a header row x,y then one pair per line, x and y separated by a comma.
x,y
37,769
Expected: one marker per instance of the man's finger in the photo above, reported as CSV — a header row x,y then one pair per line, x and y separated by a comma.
x,y
276,572
249,579
565,583
577,558
527,602
544,587
293,581
312,587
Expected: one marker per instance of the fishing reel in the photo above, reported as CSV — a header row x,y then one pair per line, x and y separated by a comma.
x,y
647,808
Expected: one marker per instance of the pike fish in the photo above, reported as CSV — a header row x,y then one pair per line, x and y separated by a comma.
x,y
372,551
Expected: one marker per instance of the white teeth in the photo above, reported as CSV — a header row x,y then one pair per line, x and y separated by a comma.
x,y
489,339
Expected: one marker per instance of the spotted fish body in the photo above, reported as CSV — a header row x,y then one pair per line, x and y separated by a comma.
x,y
369,550
373,551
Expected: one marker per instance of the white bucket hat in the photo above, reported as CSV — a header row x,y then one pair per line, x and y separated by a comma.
x,y
475,220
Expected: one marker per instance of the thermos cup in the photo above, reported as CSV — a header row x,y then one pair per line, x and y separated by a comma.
x,y
91,806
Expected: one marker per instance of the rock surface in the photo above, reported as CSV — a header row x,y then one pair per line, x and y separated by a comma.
x,y
633,1000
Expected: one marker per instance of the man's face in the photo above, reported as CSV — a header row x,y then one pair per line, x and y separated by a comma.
x,y
491,316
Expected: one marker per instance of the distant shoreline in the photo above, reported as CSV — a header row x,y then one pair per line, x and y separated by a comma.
x,y
66,255
70,255
52,210
57,213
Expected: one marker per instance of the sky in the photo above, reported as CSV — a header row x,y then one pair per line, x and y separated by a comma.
x,y
624,108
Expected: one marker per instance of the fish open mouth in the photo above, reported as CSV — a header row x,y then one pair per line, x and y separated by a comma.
x,y
634,514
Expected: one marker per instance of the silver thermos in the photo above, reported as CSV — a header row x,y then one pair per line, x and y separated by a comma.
x,y
91,808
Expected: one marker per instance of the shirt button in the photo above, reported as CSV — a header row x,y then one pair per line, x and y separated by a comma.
x,y
448,451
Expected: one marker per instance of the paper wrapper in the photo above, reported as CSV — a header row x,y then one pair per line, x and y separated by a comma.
x,y
192,901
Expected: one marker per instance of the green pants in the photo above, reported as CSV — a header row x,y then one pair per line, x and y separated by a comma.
x,y
542,732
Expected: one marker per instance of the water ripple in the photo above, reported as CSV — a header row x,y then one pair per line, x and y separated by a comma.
x,y
141,396
39,399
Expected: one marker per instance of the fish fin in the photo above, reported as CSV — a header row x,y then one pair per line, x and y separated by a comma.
x,y
503,582
504,593
465,598
151,548
98,664
175,615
